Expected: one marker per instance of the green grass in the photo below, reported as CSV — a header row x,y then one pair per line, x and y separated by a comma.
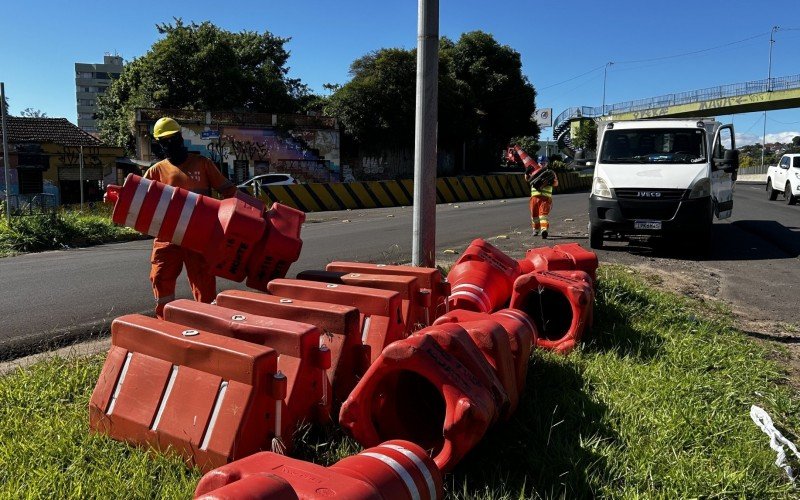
x,y
655,404
68,228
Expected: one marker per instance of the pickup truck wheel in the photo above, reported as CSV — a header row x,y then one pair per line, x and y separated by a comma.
x,y
595,237
791,199
773,194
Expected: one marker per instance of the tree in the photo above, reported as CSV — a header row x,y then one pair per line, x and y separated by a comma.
x,y
484,99
33,113
202,67
586,137
503,98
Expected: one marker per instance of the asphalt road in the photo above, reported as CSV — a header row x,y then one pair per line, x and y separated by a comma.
x,y
55,297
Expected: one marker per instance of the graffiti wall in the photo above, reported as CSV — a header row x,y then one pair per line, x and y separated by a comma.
x,y
308,155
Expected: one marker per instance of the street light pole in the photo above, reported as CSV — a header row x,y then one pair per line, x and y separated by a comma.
x,y
5,150
769,89
605,75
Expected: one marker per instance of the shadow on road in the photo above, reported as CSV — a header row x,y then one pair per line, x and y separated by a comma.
x,y
744,240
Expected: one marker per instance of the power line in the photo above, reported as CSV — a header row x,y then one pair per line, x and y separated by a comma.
x,y
573,78
661,58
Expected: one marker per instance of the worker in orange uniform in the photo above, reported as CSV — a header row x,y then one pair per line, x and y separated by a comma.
x,y
199,175
542,181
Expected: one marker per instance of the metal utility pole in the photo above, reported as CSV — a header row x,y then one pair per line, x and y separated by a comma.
x,y
5,150
424,228
605,75
769,89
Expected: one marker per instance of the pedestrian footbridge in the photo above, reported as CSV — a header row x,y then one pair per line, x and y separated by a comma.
x,y
761,95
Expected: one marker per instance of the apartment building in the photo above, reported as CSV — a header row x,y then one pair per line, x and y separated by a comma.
x,y
92,80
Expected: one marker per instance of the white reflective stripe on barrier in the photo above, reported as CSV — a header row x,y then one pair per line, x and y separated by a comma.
x,y
161,211
122,374
186,215
519,316
223,388
420,465
396,466
136,202
365,329
475,292
776,439
170,384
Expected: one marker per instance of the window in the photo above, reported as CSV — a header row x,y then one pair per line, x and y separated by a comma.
x,y
86,116
83,74
101,75
85,102
655,145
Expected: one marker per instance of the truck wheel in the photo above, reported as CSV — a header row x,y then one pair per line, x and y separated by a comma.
x,y
773,194
595,237
791,199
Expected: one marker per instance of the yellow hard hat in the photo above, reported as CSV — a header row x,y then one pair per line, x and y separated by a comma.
x,y
165,127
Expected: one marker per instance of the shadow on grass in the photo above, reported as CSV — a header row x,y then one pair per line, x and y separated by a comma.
x,y
614,330
546,449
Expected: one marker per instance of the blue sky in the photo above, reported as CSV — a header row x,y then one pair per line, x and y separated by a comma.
x,y
41,40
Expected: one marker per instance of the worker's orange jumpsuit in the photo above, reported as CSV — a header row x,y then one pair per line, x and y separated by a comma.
x,y
540,204
199,175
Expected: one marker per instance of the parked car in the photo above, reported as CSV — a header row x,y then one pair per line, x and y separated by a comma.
x,y
785,178
269,180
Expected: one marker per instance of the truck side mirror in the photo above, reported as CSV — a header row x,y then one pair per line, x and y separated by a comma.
x,y
729,162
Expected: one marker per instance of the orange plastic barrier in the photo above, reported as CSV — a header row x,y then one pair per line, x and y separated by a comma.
x,y
434,388
567,257
302,359
416,301
209,398
381,316
429,278
237,237
482,278
561,303
340,326
395,470
519,327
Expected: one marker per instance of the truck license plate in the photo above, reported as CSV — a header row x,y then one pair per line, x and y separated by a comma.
x,y
647,224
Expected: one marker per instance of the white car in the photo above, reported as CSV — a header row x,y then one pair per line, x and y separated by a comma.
x,y
269,180
785,178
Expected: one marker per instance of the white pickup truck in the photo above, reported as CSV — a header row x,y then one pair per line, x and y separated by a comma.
x,y
785,178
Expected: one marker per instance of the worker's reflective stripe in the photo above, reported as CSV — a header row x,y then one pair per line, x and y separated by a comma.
x,y
165,299
161,210
547,191
477,294
136,203
396,466
420,465
183,221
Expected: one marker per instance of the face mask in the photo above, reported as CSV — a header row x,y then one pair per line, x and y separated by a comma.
x,y
174,150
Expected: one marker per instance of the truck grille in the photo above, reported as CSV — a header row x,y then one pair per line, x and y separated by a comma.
x,y
643,194
649,204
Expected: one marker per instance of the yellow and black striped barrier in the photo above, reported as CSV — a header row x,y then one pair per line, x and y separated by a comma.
x,y
318,197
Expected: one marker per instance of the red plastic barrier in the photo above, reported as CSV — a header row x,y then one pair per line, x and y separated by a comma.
x,y
429,278
339,324
381,316
414,299
434,388
209,398
395,470
482,278
302,359
519,327
567,257
561,303
235,235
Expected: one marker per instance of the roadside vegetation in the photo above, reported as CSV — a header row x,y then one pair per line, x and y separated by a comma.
x,y
67,228
654,404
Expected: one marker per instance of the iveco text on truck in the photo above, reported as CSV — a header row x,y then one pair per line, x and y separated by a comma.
x,y
666,177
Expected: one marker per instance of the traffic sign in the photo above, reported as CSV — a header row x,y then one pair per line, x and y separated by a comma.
x,y
210,134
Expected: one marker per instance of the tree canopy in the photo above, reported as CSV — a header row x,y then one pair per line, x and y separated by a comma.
x,y
484,99
201,66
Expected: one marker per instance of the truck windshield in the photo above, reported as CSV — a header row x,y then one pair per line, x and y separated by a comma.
x,y
654,145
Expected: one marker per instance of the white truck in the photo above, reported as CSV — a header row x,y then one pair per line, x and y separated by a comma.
x,y
785,178
666,177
